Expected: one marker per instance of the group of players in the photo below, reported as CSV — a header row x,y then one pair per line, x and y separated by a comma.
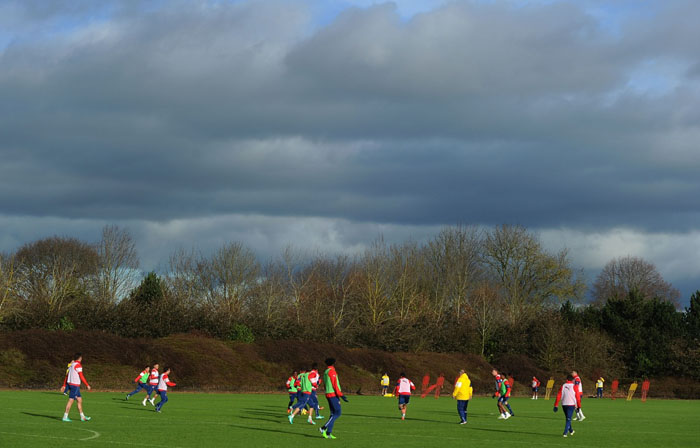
x,y
302,387
149,380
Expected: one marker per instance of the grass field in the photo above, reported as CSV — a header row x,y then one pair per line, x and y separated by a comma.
x,y
33,419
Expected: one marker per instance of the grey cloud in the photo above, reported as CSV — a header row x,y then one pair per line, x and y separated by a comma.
x,y
473,112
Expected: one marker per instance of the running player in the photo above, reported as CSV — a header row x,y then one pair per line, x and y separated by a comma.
x,y
505,395
333,394
141,381
315,379
292,390
403,389
152,386
163,383
72,382
306,388
579,391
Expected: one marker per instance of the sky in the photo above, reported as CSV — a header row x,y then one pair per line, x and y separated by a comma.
x,y
324,124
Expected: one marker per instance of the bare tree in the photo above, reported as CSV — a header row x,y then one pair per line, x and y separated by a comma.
x,y
374,305
454,257
529,276
118,264
229,277
52,272
8,280
626,274
485,310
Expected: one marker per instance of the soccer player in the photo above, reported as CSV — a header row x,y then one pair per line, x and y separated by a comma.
x,y
500,392
315,379
535,387
599,387
152,386
163,383
570,399
579,390
141,381
292,390
333,394
403,389
65,391
73,379
385,383
306,388
505,395
463,393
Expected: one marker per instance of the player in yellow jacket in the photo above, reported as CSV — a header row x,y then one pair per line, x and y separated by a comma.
x,y
462,393
385,384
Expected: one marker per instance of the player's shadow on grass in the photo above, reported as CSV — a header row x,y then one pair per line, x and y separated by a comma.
x,y
514,432
253,428
141,409
52,417
273,419
396,417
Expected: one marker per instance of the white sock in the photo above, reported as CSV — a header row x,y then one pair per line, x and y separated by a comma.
x,y
65,415
82,415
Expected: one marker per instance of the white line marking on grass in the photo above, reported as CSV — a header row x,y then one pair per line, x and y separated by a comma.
x,y
94,435
91,438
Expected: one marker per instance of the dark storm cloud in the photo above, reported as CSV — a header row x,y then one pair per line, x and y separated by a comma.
x,y
471,112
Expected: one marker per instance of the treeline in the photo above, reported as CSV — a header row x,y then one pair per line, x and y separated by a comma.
x,y
495,292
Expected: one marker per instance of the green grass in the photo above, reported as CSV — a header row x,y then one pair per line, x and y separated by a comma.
x,y
32,419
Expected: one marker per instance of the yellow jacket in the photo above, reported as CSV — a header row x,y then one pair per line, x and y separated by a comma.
x,y
385,380
463,388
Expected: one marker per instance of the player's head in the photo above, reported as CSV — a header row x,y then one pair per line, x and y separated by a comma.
x,y
148,368
166,370
569,377
574,373
494,372
78,357
402,375
330,361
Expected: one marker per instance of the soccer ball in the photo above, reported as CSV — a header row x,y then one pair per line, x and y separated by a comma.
x,y
303,412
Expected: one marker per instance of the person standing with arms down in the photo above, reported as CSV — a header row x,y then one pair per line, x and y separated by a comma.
x,y
163,383
570,399
535,387
141,382
403,389
385,383
333,394
462,393
579,391
74,377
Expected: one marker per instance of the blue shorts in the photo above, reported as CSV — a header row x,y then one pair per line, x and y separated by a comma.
x,y
535,389
73,391
503,399
404,399
301,401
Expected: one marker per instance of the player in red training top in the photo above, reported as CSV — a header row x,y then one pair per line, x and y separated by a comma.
x,y
535,387
292,390
152,387
403,389
73,379
163,383
570,399
579,390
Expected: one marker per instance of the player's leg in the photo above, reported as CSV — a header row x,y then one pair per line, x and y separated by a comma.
x,y
68,406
